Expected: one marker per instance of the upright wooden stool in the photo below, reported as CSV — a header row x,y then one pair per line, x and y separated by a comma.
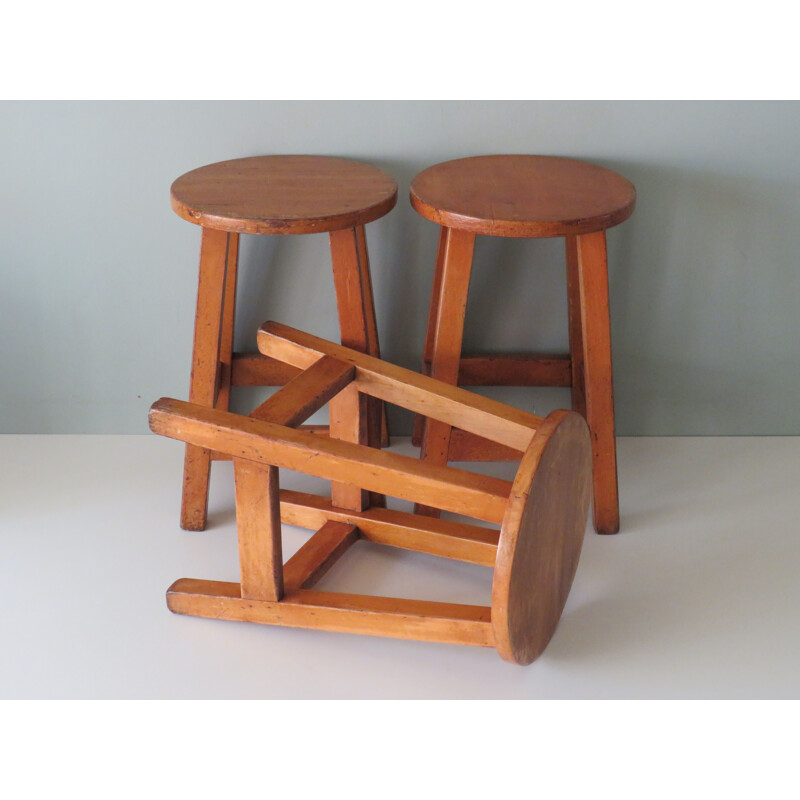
x,y
542,513
525,196
274,195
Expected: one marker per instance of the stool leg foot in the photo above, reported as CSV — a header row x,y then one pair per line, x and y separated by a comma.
x,y
445,334
218,251
592,268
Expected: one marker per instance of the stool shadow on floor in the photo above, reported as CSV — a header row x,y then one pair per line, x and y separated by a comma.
x,y
707,581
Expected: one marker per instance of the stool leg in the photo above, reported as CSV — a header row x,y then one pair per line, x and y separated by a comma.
x,y
575,327
430,332
596,330
354,417
450,304
373,347
228,317
258,525
215,259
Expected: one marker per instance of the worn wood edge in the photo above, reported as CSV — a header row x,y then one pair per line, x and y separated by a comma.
x,y
444,538
306,393
318,554
286,226
317,430
398,618
517,507
403,387
520,229
376,470
255,369
466,446
515,369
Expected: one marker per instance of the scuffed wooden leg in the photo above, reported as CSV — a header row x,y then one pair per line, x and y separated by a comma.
x,y
373,346
354,418
318,554
208,333
348,413
258,523
430,332
423,620
593,278
456,265
575,327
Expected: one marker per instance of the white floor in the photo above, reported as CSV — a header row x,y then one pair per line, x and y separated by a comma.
x,y
698,597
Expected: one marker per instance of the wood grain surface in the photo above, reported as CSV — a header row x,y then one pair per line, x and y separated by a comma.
x,y
522,196
541,537
284,194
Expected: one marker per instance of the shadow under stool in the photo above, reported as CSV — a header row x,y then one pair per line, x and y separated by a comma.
x,y
278,195
525,196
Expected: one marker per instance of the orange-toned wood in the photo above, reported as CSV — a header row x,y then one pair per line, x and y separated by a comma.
x,y
438,537
373,344
534,555
593,278
284,194
208,330
317,430
354,418
541,537
522,196
419,393
253,369
430,332
269,195
258,523
375,470
306,394
575,327
225,366
318,555
531,197
348,418
514,369
333,611
466,446
454,268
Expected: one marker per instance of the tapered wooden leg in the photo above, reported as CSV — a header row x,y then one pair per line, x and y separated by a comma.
x,y
373,346
430,332
258,523
228,319
456,249
593,279
354,417
348,413
215,252
575,327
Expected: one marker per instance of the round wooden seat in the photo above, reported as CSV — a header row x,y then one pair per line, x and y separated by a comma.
x,y
525,196
277,194
522,196
541,538
284,194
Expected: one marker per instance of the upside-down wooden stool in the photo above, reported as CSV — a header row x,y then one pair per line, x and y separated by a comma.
x,y
542,513
525,196
273,195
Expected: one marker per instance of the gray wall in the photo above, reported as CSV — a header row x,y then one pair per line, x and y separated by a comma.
x,y
99,275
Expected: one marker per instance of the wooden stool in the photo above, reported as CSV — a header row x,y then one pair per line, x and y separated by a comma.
x,y
542,513
273,195
525,197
